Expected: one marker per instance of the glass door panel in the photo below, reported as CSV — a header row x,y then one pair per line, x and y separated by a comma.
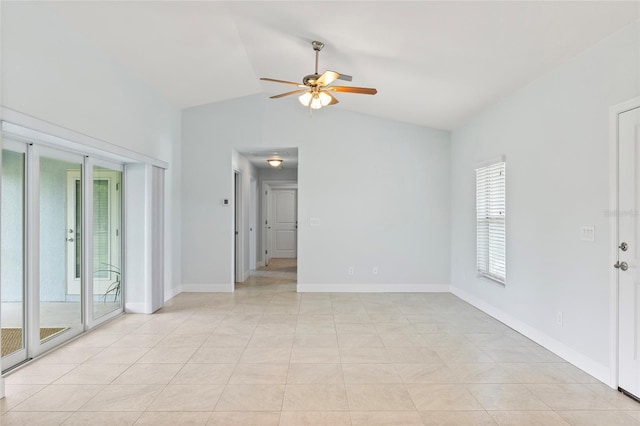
x,y
107,246
60,207
12,258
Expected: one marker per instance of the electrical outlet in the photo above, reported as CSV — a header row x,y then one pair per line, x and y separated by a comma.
x,y
350,270
375,270
588,233
559,318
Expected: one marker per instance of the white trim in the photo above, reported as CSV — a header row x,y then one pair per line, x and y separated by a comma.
x,y
614,112
172,292
594,368
135,308
207,288
17,123
373,288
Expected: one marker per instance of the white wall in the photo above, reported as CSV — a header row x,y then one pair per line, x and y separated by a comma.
x,y
53,74
380,189
554,133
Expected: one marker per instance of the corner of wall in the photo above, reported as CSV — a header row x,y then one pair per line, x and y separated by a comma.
x,y
172,292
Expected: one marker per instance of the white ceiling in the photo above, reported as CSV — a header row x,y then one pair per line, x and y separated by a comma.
x,y
433,63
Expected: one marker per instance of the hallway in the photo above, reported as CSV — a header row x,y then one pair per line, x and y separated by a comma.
x,y
266,355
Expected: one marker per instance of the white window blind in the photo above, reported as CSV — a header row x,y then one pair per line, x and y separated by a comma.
x,y
490,221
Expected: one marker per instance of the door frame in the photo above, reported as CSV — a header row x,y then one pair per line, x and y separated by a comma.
x,y
614,112
253,224
238,228
265,214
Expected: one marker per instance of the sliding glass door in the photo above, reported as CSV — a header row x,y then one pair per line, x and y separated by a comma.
x,y
60,244
61,264
107,241
12,254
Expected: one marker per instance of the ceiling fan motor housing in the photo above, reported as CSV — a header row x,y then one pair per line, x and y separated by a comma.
x,y
310,80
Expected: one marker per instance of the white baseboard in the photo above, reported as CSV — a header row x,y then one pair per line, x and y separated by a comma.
x,y
259,264
597,370
136,308
207,288
172,292
373,288
246,275
1,388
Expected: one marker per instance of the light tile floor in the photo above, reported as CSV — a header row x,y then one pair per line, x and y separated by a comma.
x,y
266,355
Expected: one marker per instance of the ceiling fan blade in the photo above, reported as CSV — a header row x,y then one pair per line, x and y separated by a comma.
x,y
348,89
344,77
333,98
282,81
282,95
327,78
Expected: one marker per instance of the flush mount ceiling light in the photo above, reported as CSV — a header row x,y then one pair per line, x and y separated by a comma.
x,y
316,90
274,162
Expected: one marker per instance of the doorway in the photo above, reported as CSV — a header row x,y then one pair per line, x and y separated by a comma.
x,y
280,219
626,269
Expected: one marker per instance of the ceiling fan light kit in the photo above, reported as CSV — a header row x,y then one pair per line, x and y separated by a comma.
x,y
315,88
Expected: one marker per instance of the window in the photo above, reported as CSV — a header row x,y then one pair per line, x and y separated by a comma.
x,y
490,221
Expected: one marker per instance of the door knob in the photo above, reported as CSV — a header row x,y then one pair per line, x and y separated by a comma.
x,y
621,265
623,246
70,240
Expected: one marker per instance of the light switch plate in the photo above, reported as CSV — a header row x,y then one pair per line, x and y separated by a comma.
x,y
588,233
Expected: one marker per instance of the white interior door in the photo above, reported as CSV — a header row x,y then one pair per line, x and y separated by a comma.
x,y
629,252
284,223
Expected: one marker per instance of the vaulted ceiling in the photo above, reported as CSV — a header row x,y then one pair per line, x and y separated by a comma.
x,y
434,63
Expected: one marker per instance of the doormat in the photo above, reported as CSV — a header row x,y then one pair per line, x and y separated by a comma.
x,y
12,338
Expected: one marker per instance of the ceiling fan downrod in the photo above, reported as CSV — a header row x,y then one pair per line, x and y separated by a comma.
x,y
317,46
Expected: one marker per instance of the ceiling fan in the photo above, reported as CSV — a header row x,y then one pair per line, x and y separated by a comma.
x,y
316,90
